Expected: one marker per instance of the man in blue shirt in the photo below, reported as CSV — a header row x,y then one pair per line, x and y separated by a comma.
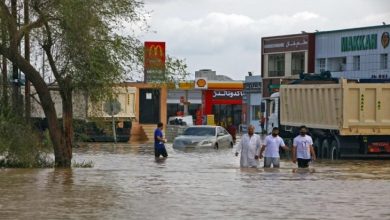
x,y
159,147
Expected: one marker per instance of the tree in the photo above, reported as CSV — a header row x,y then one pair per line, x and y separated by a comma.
x,y
84,49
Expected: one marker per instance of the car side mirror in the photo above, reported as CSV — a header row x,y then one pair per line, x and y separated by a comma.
x,y
220,134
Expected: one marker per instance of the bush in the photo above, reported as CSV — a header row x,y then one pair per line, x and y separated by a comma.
x,y
21,145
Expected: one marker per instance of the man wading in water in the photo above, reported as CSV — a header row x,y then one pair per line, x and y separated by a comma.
x,y
159,147
303,151
249,147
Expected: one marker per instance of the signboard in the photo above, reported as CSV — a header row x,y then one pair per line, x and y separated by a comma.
x,y
227,94
359,42
201,83
210,120
252,86
284,44
154,61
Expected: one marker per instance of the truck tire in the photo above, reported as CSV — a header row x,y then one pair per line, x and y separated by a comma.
x,y
325,149
317,147
334,150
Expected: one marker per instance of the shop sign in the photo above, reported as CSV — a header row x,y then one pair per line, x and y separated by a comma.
x,y
154,61
227,94
252,86
201,83
359,42
285,44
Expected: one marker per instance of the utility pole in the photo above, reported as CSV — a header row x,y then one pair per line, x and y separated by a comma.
x,y
27,57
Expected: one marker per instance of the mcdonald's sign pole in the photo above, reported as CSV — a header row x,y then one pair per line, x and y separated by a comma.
x,y
154,61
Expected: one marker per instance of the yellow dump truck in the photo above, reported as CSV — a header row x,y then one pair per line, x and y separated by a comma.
x,y
345,119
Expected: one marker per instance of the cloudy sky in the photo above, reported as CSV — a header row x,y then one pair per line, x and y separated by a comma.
x,y
224,35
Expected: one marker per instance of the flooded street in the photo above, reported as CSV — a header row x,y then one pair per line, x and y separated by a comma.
x,y
127,183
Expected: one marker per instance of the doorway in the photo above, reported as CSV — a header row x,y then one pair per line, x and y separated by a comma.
x,y
149,106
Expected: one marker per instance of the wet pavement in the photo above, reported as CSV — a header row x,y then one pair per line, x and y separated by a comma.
x,y
127,183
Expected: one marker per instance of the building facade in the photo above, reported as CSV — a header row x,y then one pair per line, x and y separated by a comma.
x,y
356,53
251,103
285,57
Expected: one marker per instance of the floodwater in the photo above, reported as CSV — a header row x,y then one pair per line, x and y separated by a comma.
x,y
127,183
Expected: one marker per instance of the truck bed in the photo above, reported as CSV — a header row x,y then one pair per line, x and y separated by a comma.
x,y
349,107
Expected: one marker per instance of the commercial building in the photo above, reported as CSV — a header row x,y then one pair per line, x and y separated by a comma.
x,y
285,57
251,103
221,98
356,53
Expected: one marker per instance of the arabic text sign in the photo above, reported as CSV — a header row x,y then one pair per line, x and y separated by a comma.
x,y
285,44
227,94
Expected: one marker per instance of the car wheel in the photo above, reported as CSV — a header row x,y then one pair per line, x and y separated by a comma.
x,y
216,146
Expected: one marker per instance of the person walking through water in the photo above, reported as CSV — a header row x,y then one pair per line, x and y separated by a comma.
x,y
303,150
249,147
271,147
159,140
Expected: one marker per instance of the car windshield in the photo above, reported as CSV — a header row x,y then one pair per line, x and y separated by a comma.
x,y
200,131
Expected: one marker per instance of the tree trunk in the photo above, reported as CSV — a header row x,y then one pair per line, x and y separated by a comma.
x,y
61,153
27,102
67,117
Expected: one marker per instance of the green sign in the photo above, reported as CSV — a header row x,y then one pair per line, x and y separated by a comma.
x,y
360,42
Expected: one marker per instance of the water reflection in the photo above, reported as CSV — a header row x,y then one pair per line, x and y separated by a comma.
x,y
128,183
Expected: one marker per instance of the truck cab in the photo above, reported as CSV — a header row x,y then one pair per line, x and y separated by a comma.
x,y
272,113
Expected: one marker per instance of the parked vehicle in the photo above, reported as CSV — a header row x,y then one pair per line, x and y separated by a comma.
x,y
181,120
345,119
204,136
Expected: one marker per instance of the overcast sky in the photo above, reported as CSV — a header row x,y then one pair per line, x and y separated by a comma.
x,y
225,35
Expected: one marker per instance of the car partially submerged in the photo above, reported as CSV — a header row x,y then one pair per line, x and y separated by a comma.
x,y
203,136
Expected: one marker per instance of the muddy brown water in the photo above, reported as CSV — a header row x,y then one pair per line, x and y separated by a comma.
x,y
127,183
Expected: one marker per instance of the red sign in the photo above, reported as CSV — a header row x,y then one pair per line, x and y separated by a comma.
x,y
154,60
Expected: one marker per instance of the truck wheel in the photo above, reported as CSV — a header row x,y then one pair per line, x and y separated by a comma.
x,y
325,149
334,152
317,147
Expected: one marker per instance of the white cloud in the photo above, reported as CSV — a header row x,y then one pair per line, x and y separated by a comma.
x,y
226,35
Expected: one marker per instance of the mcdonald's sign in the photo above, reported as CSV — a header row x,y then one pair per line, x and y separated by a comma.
x,y
154,60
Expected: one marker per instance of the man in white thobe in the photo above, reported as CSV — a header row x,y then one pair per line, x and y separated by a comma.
x,y
249,147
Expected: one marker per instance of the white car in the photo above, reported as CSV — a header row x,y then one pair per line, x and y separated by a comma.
x,y
204,136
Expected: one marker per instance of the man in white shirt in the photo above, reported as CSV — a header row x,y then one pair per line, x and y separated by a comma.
x,y
271,146
303,150
249,147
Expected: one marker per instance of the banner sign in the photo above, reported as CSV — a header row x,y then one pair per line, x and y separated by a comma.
x,y
284,44
154,61
227,94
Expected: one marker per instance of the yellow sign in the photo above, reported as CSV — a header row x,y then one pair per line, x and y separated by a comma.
x,y
201,83
210,120
186,85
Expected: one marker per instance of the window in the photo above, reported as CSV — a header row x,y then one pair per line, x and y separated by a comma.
x,y
298,63
276,65
256,113
384,61
356,63
322,65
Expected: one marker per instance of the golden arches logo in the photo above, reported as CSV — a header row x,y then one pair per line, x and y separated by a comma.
x,y
201,83
155,51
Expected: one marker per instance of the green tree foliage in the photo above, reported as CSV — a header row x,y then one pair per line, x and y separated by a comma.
x,y
86,50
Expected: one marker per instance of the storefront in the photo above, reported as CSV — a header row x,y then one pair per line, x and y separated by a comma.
x,y
223,100
252,112
285,57
357,53
178,98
